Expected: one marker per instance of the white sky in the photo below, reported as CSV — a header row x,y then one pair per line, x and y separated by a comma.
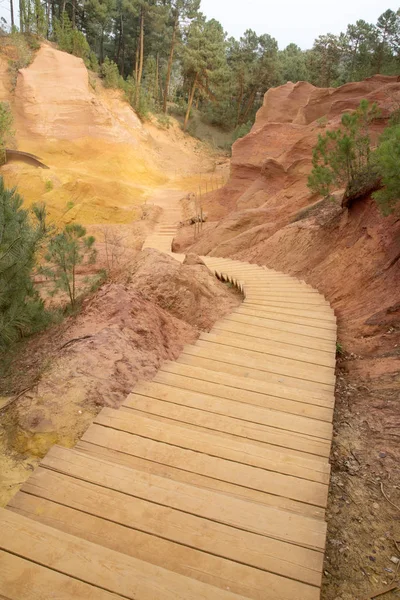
x,y
298,21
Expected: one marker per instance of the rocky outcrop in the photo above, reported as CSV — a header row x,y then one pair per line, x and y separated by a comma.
x,y
270,165
54,99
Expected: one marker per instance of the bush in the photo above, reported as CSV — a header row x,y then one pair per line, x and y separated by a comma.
x,y
241,131
65,252
22,233
24,54
387,161
163,121
74,41
342,154
110,74
6,120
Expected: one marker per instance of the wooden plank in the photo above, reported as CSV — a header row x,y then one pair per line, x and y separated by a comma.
x,y
76,557
278,419
277,476
208,465
303,297
330,325
323,314
292,328
258,416
284,304
285,287
278,389
21,579
242,404
195,479
262,370
176,526
307,387
223,425
269,523
275,335
314,357
191,562
266,362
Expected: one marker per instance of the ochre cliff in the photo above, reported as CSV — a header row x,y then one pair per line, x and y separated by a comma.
x,y
103,161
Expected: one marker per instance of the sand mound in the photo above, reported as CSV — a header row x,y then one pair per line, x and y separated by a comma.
x,y
188,291
54,100
123,334
103,162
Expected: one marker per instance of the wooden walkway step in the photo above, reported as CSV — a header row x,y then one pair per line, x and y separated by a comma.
x,y
210,482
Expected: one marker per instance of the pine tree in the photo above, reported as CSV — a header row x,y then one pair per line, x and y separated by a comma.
x,y
343,156
203,57
65,252
21,234
179,10
387,160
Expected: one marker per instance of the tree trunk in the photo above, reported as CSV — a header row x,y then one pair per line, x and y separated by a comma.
x,y
121,33
137,61
156,78
239,102
48,18
63,7
73,19
353,60
27,23
190,102
123,60
102,46
21,15
141,49
170,61
249,105
12,13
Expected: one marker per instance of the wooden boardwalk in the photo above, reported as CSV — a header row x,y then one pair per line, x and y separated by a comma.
x,y
210,482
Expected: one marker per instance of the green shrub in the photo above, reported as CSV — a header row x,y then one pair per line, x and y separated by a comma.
x,y
49,185
22,44
65,252
110,74
6,120
163,121
387,161
341,155
22,234
73,41
241,130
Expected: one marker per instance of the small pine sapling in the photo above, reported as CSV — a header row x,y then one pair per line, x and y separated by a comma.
x,y
65,252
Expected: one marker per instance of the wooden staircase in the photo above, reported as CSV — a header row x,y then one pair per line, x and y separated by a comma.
x,y
210,481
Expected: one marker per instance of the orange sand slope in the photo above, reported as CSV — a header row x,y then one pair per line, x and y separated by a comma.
x,y
103,162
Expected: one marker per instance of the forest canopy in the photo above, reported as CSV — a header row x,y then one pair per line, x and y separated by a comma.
x,y
169,57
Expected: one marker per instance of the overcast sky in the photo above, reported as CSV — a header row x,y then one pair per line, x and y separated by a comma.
x,y
293,20
286,20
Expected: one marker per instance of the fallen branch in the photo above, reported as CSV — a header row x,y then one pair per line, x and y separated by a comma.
x,y
18,396
388,499
84,337
381,592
